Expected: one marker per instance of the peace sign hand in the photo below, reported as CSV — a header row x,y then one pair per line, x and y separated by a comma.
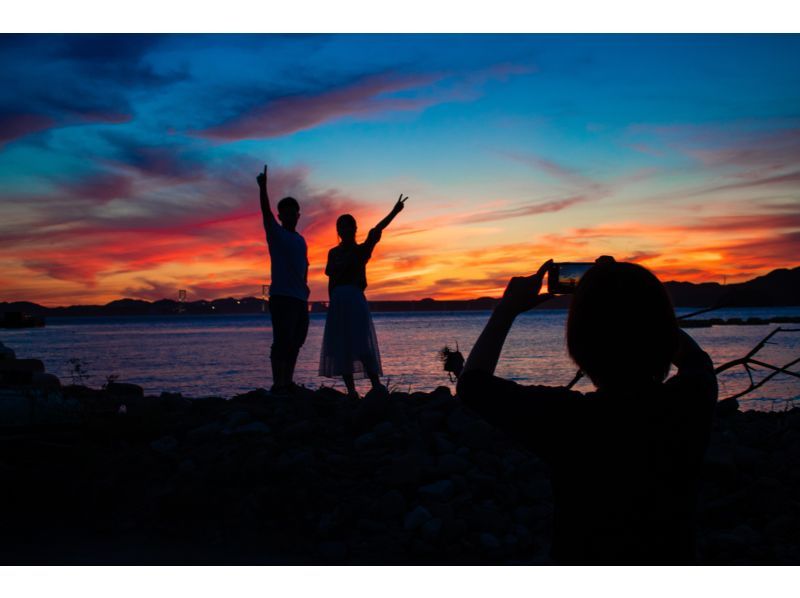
x,y
401,203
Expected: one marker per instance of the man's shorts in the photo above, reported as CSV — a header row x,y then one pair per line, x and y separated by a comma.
x,y
289,326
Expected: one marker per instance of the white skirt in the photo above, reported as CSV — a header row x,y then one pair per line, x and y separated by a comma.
x,y
349,344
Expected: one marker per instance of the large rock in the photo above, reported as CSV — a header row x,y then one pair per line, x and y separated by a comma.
x,y
373,408
390,505
458,420
441,490
125,390
365,440
22,365
431,529
205,432
46,382
19,371
489,541
28,407
6,352
165,444
402,471
252,428
478,434
416,518
332,552
450,464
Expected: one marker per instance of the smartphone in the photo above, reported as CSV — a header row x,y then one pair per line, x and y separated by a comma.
x,y
563,278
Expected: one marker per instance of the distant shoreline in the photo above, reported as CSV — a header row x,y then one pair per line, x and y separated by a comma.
x,y
779,288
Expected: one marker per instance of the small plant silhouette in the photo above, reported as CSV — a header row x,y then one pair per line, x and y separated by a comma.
x,y
79,372
453,362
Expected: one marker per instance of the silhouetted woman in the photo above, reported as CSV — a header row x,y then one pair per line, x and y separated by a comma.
x,y
349,344
625,458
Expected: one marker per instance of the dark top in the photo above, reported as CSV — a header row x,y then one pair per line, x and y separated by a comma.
x,y
624,466
347,264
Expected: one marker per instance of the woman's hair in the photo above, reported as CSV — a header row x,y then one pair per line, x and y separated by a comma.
x,y
622,328
345,219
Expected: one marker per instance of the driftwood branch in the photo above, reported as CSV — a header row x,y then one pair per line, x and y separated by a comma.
x,y
748,361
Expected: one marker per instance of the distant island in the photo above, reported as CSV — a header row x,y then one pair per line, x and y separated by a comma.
x,y
778,288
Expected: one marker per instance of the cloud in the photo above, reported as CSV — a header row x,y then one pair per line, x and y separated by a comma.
x,y
79,79
790,178
492,215
525,210
559,171
16,125
107,225
279,116
102,187
177,160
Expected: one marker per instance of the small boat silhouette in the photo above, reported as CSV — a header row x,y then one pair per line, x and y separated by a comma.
x,y
17,319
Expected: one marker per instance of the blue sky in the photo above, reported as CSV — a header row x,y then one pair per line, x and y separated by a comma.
x,y
127,163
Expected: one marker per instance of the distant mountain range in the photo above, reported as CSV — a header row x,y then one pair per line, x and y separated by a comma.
x,y
778,288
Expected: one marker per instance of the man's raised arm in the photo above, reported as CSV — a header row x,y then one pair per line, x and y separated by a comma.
x,y
266,210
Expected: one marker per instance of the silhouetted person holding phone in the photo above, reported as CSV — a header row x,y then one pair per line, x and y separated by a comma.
x,y
288,290
349,344
625,458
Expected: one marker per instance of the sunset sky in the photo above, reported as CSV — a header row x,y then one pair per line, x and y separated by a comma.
x,y
128,163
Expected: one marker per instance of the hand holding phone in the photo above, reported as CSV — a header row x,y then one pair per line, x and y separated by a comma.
x,y
522,292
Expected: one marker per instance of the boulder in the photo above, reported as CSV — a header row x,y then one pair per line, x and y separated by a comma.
x,y
22,365
301,430
402,471
238,418
252,428
477,434
390,505
443,445
372,409
457,420
450,464
416,518
431,529
332,552
383,429
371,526
489,541
125,390
19,371
16,408
441,490
365,440
6,352
46,382
165,444
204,432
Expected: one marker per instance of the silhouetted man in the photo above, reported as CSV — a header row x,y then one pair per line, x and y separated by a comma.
x,y
288,291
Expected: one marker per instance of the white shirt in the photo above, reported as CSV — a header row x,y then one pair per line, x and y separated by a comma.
x,y
289,262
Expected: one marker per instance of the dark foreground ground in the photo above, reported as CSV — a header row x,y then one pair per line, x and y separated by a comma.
x,y
319,478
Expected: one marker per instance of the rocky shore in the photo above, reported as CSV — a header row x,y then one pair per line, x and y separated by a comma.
x,y
111,476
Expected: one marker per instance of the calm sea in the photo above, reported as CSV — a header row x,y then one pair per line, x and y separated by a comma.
x,y
225,355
